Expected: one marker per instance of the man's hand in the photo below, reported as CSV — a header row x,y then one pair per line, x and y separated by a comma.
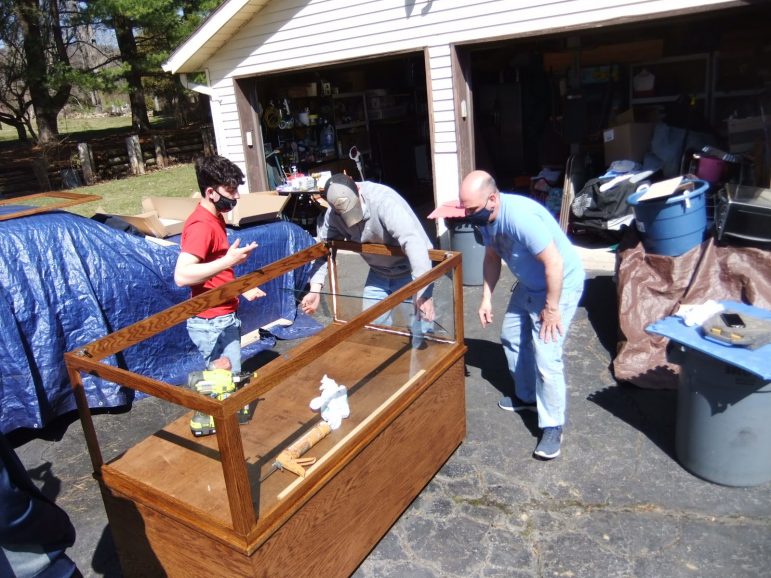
x,y
253,293
237,254
425,308
551,325
486,312
310,302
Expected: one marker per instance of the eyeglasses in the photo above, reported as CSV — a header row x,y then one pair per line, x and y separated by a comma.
x,y
471,210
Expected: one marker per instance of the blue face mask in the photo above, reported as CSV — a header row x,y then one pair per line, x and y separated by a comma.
x,y
481,217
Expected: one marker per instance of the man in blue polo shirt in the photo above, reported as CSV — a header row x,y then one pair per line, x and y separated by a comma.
x,y
550,280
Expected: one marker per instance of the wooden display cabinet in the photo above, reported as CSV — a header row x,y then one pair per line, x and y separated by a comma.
x,y
215,506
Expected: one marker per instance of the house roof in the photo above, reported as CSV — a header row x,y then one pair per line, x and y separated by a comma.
x,y
211,35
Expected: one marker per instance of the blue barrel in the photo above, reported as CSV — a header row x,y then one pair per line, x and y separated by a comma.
x,y
672,225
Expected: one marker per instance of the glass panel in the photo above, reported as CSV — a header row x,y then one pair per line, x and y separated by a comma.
x,y
343,298
377,368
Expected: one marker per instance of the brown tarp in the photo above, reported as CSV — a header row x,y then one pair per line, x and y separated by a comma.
x,y
651,287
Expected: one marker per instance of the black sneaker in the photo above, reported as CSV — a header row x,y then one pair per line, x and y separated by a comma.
x,y
549,446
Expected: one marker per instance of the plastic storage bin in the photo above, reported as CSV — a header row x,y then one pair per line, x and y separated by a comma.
x,y
672,225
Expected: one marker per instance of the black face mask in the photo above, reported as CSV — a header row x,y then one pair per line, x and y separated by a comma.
x,y
481,217
225,204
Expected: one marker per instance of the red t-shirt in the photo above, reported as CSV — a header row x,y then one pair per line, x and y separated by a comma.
x,y
204,236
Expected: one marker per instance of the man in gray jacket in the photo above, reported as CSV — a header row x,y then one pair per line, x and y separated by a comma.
x,y
369,212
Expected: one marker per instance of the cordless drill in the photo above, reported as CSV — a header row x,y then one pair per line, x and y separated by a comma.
x,y
217,383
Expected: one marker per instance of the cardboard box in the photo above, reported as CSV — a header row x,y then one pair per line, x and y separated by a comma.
x,y
628,141
641,115
303,90
162,216
165,216
256,207
745,133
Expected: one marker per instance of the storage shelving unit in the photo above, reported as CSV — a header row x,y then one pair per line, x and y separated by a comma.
x,y
675,77
351,122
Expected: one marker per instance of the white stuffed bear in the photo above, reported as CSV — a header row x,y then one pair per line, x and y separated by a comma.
x,y
332,403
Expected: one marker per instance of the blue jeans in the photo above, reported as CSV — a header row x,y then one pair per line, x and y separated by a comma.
x,y
377,287
217,337
536,366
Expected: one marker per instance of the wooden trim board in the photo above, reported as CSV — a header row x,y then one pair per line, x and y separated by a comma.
x,y
67,200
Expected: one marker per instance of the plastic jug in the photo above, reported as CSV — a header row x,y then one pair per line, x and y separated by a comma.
x,y
328,137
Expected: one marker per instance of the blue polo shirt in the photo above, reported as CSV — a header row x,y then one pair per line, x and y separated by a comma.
x,y
521,231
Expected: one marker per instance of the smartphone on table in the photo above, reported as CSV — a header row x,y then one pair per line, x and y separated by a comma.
x,y
733,320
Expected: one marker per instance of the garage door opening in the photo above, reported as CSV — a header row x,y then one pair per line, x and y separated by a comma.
x,y
323,118
539,100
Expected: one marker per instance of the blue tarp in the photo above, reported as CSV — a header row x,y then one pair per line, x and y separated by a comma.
x,y
66,280
752,360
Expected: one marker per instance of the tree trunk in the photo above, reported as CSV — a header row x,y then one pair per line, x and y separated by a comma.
x,y
46,102
21,131
127,45
47,123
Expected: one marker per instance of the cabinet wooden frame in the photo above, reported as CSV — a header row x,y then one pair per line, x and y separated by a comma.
x,y
65,199
246,530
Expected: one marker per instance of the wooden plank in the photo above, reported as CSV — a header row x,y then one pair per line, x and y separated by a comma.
x,y
67,200
160,389
150,544
236,479
216,528
87,423
620,53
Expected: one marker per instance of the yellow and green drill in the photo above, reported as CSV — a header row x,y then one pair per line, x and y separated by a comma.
x,y
217,382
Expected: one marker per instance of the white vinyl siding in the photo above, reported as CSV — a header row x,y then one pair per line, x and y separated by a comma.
x,y
295,34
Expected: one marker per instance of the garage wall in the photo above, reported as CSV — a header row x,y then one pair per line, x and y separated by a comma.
x,y
292,34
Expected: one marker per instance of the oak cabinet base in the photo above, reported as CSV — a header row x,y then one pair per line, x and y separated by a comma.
x,y
329,531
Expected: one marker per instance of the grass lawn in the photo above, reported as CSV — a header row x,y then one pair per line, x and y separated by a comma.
x,y
124,196
84,128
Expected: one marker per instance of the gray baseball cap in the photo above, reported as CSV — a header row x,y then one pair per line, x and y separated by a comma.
x,y
343,196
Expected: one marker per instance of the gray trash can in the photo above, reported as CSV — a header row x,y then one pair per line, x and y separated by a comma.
x,y
466,239
723,431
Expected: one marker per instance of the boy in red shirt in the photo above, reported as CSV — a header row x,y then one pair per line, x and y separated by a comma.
x,y
206,260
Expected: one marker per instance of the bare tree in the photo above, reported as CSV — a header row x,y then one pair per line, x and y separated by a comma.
x,y
15,105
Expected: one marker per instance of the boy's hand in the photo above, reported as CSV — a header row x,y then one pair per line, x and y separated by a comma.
x,y
253,293
237,254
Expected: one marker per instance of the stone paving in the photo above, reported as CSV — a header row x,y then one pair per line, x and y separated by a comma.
x,y
616,503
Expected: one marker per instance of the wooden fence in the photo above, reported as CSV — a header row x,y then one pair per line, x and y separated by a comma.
x,y
70,164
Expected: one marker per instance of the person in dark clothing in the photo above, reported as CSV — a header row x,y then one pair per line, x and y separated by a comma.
x,y
34,532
